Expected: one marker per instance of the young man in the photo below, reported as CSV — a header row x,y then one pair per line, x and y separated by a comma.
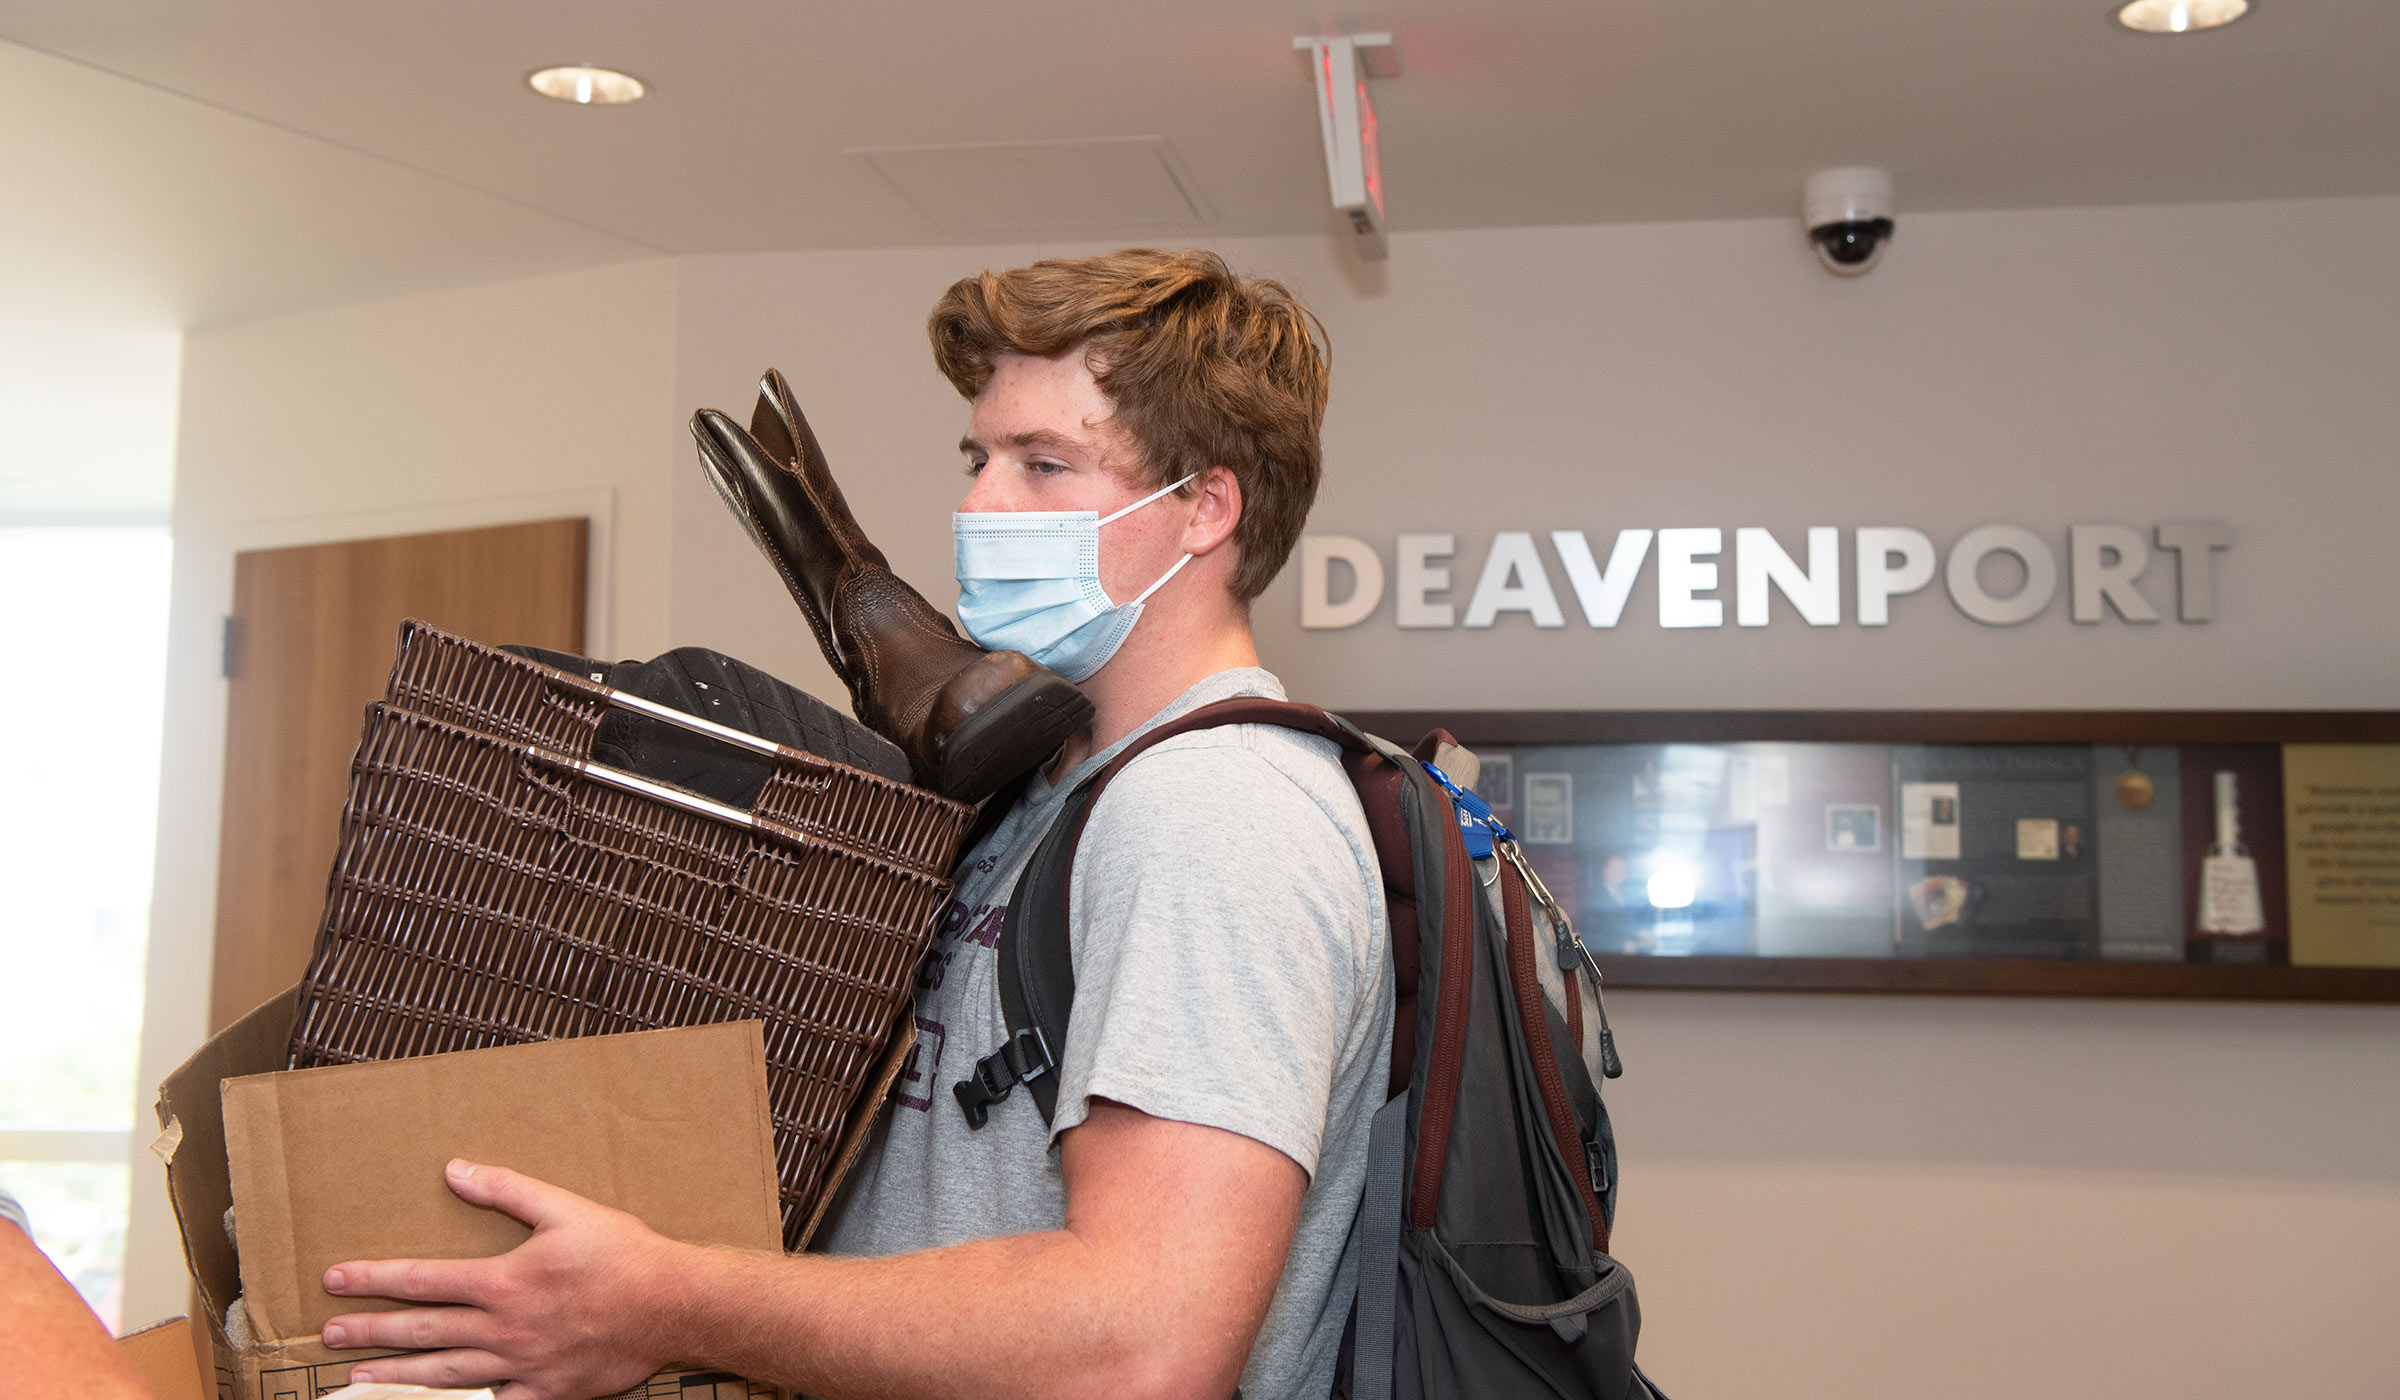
x,y
1184,1223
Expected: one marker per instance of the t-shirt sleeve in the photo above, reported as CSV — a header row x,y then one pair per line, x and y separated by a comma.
x,y
1220,938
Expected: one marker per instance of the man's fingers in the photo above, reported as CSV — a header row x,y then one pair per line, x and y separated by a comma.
x,y
533,1201
537,1203
442,1369
411,1329
412,1280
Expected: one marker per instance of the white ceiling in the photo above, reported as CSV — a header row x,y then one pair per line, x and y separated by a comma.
x,y
198,160
127,205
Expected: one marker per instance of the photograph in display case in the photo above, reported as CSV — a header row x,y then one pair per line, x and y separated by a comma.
x,y
1548,818
1853,826
1496,784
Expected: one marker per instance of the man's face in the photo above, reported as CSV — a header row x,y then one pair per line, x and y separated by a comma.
x,y
1043,436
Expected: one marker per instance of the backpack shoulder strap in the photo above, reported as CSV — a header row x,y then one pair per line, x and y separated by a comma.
x,y
1037,969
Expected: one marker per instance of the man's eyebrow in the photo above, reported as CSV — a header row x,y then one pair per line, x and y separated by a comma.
x,y
1040,439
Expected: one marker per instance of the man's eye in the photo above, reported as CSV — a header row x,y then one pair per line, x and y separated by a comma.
x,y
975,466
1046,468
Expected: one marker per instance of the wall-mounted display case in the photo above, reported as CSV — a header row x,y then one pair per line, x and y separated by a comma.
x,y
2201,853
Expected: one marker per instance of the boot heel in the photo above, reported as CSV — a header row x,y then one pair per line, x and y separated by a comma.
x,y
1014,716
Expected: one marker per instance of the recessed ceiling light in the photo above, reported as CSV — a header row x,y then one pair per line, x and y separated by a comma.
x,y
2180,16
576,83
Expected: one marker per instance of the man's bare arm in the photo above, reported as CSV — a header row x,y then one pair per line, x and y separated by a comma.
x,y
52,1343
1175,1237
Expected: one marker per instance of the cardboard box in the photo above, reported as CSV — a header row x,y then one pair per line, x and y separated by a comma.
x,y
162,1355
345,1162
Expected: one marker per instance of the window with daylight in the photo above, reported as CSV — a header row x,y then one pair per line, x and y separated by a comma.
x,y
85,628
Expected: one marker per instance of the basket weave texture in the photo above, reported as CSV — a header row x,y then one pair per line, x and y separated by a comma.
x,y
489,891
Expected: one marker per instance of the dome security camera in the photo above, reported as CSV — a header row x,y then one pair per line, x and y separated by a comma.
x,y
1848,212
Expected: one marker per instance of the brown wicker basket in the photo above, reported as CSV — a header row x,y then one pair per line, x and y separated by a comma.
x,y
493,885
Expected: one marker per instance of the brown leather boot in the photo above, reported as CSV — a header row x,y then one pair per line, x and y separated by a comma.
x,y
969,720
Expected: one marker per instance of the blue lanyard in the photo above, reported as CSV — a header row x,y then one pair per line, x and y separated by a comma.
x,y
1475,820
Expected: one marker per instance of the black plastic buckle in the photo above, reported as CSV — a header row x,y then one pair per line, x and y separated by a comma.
x,y
1021,1059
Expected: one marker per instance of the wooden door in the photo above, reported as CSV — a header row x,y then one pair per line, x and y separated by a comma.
x,y
311,644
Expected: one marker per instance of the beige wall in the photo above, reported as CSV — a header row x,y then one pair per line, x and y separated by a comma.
x,y
1830,1196
62,379
530,399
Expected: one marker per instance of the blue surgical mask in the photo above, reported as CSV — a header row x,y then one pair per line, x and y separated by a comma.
x,y
1029,581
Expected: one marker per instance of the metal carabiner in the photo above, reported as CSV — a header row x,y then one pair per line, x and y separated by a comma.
x,y
1611,1066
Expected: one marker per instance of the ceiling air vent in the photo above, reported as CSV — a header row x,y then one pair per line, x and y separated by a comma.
x,y
1028,186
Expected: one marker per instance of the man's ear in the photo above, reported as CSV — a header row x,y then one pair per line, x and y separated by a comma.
x,y
1219,510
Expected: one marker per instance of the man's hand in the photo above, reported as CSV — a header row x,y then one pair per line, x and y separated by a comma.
x,y
570,1313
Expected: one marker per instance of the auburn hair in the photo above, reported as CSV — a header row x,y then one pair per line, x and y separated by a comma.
x,y
1205,368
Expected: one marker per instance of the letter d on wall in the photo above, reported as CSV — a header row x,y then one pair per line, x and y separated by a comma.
x,y
1318,611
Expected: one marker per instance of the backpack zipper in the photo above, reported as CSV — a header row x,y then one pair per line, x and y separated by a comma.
x,y
1534,1023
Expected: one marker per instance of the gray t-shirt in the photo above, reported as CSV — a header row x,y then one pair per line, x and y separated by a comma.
x,y
1227,925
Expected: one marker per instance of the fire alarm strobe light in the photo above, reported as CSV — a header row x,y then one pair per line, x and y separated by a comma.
x,y
1339,66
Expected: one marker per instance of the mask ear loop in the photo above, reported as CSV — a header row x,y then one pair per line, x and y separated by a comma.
x,y
1162,581
1137,505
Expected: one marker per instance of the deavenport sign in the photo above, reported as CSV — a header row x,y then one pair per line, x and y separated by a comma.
x,y
2109,572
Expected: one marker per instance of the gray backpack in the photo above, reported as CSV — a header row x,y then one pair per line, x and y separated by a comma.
x,y
1484,1266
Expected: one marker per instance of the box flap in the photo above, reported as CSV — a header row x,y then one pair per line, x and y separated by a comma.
x,y
345,1161
871,1103
192,1119
162,1354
